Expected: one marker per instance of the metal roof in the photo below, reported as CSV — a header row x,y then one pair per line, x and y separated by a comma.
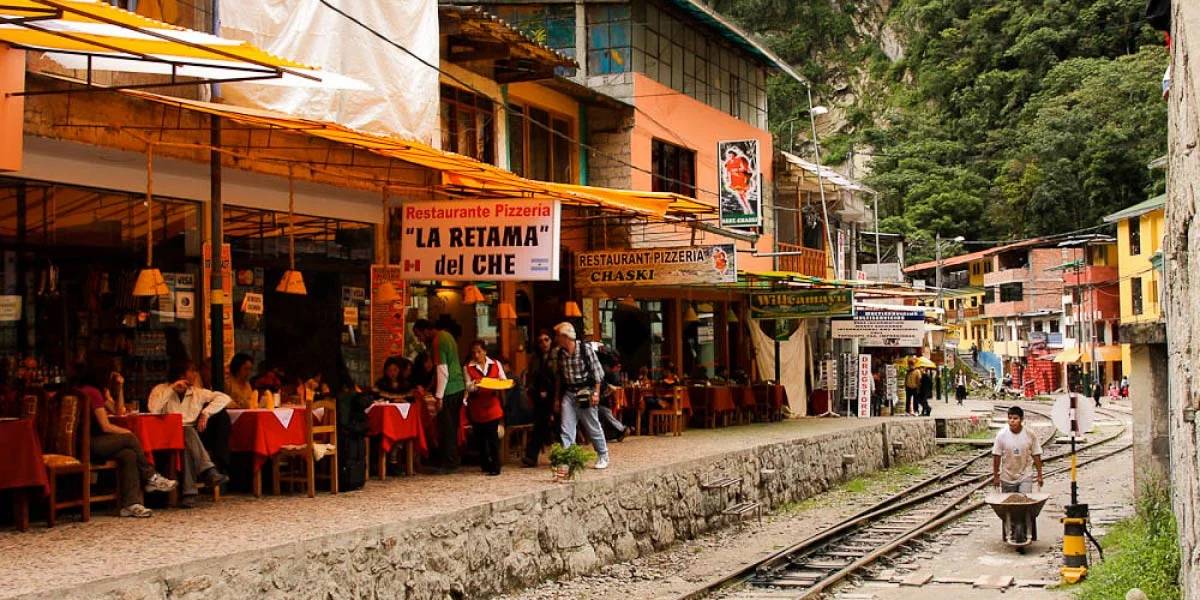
x,y
737,36
1138,209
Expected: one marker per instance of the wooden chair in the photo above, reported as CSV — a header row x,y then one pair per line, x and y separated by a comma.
x,y
70,456
669,420
320,429
516,437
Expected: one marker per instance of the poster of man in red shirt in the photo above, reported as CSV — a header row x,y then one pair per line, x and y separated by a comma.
x,y
740,183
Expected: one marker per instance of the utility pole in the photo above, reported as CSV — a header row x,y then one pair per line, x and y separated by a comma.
x,y
937,270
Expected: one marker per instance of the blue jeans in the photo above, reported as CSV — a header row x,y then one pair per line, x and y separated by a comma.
x,y
589,416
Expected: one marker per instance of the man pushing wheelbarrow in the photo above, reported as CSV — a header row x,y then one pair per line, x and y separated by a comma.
x,y
1015,449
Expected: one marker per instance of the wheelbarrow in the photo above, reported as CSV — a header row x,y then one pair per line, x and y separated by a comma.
x,y
1019,514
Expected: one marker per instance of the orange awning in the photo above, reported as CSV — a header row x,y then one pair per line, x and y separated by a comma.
x,y
94,35
458,172
1101,353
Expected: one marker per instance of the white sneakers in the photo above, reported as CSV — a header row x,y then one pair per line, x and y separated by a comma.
x,y
137,511
602,463
158,483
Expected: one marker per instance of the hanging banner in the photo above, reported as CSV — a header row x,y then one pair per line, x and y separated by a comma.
x,y
801,304
864,385
475,240
741,184
387,318
657,266
839,259
10,309
893,389
882,328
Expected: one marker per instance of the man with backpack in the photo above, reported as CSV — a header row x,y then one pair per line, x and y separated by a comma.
x,y
580,376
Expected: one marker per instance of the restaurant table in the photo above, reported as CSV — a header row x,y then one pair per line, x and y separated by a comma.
x,y
23,471
157,433
743,397
392,423
263,432
713,401
636,399
770,399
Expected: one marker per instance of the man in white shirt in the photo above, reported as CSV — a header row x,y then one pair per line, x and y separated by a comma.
x,y
187,397
1014,450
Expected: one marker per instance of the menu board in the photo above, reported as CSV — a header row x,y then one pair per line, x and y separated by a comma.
x,y
387,318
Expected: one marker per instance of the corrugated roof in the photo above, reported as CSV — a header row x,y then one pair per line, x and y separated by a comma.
x,y
837,179
966,258
737,35
1138,209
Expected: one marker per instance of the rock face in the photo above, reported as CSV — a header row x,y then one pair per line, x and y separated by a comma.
x,y
1183,285
516,542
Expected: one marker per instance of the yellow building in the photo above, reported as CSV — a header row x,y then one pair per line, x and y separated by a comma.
x,y
1140,231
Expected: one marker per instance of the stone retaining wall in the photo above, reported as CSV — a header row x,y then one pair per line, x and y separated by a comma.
x,y
517,542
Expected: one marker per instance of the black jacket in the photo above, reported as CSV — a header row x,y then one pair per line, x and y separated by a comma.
x,y
540,379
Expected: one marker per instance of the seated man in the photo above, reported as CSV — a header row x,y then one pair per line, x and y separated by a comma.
x,y
196,405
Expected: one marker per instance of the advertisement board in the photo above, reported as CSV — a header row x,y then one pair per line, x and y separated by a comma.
x,y
882,328
864,385
657,266
801,304
474,240
740,183
387,318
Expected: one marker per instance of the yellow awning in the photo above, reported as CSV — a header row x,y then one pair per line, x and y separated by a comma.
x,y
94,35
1068,356
457,171
1102,353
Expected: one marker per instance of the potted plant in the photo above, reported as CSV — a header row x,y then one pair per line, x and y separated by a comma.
x,y
566,463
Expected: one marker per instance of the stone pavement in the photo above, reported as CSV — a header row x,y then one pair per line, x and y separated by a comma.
x,y
44,561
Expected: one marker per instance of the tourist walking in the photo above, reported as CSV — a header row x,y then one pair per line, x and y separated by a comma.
x,y
449,387
912,388
580,375
960,387
926,392
1097,392
540,382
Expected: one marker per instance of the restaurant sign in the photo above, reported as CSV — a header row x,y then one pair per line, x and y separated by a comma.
x,y
477,240
882,328
657,266
801,304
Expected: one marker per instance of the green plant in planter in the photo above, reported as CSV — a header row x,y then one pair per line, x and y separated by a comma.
x,y
575,458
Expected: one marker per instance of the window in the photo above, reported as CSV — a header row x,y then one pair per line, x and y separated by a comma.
x,y
540,146
468,124
1153,292
550,24
674,168
1136,293
1135,237
1116,333
608,39
1012,292
998,332
1053,325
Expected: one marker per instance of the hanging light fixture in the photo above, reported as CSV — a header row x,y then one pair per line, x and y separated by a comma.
x,y
506,311
628,303
472,295
689,315
572,309
386,293
150,281
293,281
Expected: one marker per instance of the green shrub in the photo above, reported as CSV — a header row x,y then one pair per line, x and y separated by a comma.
x,y
575,458
1141,551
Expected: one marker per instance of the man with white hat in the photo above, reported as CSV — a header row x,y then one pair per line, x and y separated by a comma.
x,y
580,375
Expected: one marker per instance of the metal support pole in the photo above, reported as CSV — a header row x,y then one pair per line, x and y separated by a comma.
x,y
217,287
937,271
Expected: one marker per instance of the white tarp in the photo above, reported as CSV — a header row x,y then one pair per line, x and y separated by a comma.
x,y
794,362
403,100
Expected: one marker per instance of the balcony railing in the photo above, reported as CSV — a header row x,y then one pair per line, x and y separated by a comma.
x,y
807,261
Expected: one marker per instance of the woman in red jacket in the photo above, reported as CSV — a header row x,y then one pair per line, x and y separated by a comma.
x,y
485,407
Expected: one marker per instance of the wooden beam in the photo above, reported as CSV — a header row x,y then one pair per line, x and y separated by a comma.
x,y
478,50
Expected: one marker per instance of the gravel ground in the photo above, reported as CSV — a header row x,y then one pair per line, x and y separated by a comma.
x,y
73,553
1106,486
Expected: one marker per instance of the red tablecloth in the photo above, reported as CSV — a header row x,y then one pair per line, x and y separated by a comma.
x,y
262,431
390,422
719,398
743,396
22,464
156,432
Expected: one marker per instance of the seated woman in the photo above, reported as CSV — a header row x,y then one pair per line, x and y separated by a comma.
x,y
668,375
421,381
112,442
237,386
484,408
394,384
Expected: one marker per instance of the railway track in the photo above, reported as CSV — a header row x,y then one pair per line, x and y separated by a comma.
x,y
813,566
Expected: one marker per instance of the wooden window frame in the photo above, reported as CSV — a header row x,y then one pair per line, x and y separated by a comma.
x,y
526,126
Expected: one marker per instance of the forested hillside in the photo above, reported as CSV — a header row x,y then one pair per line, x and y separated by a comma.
x,y
990,119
